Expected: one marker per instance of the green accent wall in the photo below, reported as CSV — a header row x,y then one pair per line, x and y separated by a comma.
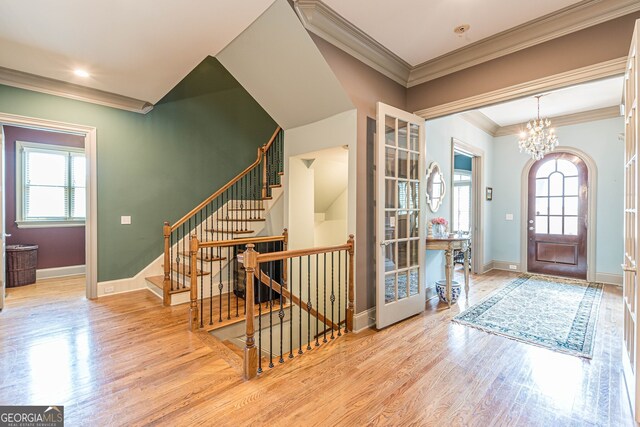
x,y
158,166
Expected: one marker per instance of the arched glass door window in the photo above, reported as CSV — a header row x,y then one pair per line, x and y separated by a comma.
x,y
557,203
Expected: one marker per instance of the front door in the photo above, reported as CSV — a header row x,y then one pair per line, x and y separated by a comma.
x,y
400,211
557,221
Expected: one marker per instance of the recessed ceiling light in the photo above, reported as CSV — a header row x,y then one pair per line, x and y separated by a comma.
x,y
80,72
461,29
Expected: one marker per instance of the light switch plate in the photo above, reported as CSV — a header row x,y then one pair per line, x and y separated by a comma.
x,y
509,217
125,220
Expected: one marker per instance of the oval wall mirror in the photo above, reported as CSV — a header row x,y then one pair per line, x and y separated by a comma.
x,y
435,187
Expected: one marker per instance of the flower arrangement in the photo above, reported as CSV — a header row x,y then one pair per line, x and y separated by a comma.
x,y
439,220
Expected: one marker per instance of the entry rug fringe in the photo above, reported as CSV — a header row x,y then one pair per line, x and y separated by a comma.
x,y
554,313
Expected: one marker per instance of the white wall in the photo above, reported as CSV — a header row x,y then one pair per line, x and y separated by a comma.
x,y
336,131
332,228
439,145
599,140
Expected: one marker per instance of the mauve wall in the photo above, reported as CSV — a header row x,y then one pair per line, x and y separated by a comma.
x,y
59,246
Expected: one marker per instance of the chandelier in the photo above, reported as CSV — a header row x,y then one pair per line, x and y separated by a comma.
x,y
539,139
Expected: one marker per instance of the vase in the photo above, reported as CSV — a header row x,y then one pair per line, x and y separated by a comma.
x,y
439,230
441,289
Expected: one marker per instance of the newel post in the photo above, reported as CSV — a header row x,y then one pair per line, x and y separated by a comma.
x,y
250,350
193,281
350,307
166,283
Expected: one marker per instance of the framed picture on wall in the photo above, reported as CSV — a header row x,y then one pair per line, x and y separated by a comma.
x,y
489,193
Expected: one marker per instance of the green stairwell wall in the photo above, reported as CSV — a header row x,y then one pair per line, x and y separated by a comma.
x,y
158,166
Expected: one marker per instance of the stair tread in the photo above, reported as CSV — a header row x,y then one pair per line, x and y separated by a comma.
x,y
204,258
184,269
158,281
246,209
229,231
281,173
275,185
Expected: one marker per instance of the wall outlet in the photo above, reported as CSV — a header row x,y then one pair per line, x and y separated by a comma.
x,y
108,289
513,267
125,220
508,217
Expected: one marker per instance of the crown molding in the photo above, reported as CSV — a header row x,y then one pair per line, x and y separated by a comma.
x,y
566,120
481,121
49,86
325,22
565,21
592,72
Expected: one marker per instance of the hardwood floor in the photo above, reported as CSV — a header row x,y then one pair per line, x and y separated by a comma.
x,y
127,360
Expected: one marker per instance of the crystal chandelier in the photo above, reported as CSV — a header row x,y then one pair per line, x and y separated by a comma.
x,y
539,139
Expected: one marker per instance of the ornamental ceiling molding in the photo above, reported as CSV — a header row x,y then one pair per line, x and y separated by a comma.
x,y
484,123
325,22
49,86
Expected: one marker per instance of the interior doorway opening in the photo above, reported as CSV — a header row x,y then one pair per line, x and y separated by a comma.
x,y
49,174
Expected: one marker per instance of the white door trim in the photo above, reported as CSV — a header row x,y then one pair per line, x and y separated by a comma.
x,y
477,185
91,224
591,216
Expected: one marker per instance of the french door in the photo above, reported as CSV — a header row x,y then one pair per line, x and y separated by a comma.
x,y
631,223
400,210
557,225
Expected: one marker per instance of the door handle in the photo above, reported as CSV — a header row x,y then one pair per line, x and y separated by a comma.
x,y
7,235
385,243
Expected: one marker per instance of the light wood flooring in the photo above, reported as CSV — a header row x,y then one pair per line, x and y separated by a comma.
x,y
127,360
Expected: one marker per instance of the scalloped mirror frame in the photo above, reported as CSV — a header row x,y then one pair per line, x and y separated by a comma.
x,y
433,171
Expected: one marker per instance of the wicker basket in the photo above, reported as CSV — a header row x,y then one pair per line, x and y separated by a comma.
x,y
21,265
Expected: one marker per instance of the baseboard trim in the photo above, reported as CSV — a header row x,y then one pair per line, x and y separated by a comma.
x,y
505,265
49,273
364,320
611,279
130,284
487,267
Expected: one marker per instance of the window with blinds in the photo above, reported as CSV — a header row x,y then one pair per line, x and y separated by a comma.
x,y
50,185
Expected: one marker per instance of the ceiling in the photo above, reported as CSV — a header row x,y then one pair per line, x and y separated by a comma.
x,y
418,31
571,100
139,49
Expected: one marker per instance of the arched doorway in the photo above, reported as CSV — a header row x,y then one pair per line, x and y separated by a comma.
x,y
557,216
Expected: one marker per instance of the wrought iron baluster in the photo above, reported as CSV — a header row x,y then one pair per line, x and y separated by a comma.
x,y
211,288
281,313
300,298
309,302
290,278
324,296
339,293
271,315
317,303
201,291
346,289
333,295
229,264
171,259
259,318
236,273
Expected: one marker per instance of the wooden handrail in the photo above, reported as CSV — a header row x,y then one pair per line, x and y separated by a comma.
x,y
273,138
275,256
242,241
261,151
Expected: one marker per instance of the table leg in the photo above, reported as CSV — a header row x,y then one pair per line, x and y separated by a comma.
x,y
448,272
466,271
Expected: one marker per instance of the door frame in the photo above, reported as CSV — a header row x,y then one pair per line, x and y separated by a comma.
x,y
91,222
477,199
591,206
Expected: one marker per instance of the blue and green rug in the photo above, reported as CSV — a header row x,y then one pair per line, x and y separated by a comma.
x,y
554,313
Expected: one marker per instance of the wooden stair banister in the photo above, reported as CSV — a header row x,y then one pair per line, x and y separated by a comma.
x,y
232,210
250,350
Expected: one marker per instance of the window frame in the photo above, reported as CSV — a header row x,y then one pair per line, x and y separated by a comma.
x,y
20,169
465,183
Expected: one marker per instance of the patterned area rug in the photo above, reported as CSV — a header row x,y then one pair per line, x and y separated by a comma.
x,y
554,313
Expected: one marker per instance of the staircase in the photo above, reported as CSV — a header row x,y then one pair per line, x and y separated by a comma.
x,y
237,210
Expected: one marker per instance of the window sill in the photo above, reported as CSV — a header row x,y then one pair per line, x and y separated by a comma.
x,y
49,224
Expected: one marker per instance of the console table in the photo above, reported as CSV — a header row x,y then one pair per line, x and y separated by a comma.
x,y
448,245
